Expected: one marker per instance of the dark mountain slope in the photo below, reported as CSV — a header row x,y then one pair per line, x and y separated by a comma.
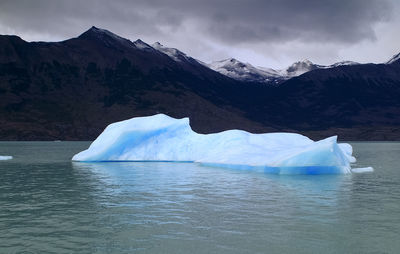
x,y
73,89
361,99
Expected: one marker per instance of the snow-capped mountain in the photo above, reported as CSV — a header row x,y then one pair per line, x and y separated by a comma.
x,y
306,65
230,67
247,72
175,54
298,68
244,71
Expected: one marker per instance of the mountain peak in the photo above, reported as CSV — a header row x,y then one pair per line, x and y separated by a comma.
x,y
230,63
305,61
98,31
232,60
93,28
235,69
103,35
395,58
300,67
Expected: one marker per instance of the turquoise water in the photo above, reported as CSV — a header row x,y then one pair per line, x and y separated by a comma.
x,y
49,204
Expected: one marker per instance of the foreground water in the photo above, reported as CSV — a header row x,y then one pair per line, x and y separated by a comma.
x,y
49,204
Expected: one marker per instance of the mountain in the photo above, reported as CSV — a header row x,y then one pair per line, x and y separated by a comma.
x,y
394,59
299,68
74,88
354,98
247,72
175,54
71,90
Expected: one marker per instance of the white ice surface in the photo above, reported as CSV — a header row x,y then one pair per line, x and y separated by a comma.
x,y
5,157
163,138
362,170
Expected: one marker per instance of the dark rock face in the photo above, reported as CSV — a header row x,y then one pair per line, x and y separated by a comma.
x,y
71,90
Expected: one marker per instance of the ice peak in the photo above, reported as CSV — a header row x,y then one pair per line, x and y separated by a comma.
x,y
163,138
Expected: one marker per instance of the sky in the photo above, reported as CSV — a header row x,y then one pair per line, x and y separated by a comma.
x,y
268,33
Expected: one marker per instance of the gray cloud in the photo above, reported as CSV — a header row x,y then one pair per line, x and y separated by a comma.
x,y
282,20
232,23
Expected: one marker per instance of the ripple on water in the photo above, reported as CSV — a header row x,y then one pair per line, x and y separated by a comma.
x,y
49,204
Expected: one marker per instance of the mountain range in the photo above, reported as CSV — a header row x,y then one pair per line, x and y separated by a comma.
x,y
248,73
70,90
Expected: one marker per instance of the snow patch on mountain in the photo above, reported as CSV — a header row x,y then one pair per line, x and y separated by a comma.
x,y
142,45
174,53
342,63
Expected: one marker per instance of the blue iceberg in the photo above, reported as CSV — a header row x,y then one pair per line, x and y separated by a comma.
x,y
163,138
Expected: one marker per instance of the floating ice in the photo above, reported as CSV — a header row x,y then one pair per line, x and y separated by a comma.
x,y
163,138
5,157
362,170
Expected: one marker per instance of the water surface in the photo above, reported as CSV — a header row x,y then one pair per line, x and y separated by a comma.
x,y
49,204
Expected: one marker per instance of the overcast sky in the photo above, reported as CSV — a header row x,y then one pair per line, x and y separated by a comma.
x,y
269,33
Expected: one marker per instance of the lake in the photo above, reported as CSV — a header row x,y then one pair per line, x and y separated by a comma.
x,y
49,204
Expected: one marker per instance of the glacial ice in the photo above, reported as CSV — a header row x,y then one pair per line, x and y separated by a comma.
x,y
5,157
163,138
362,170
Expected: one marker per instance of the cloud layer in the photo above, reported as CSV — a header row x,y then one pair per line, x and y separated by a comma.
x,y
211,29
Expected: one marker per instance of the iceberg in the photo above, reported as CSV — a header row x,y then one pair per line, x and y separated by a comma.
x,y
5,157
163,138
